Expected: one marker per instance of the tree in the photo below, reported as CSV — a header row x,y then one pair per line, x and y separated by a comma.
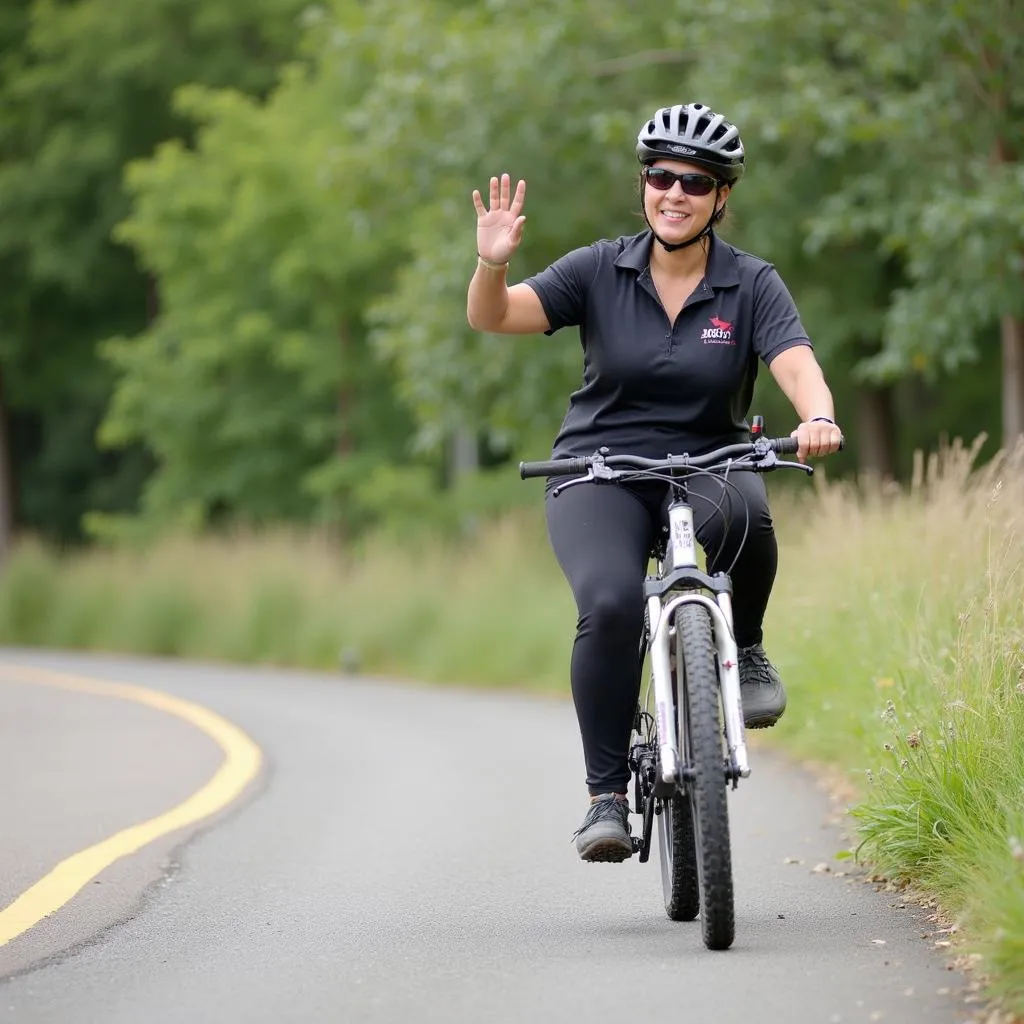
x,y
254,386
84,87
341,205
292,218
925,101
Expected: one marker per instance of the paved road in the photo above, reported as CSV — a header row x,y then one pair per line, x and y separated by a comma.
x,y
405,855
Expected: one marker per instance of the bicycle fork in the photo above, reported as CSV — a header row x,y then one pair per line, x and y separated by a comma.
x,y
660,619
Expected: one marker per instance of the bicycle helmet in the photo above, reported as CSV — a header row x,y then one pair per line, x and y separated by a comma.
x,y
696,134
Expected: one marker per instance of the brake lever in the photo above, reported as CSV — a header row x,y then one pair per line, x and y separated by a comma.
x,y
597,471
556,491
780,464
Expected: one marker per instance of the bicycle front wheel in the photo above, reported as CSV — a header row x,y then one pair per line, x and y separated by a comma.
x,y
701,742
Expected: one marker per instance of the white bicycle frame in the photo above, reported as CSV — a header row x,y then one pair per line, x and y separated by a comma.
x,y
681,552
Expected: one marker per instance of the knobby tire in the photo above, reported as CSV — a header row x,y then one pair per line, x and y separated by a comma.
x,y
678,859
700,734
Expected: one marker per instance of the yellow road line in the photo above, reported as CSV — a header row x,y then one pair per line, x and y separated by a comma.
x,y
241,763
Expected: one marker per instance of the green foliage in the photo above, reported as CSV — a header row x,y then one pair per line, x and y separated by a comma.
x,y
256,377
577,155
90,91
281,305
303,600
85,87
943,811
288,220
909,671
938,92
284,298
404,503
28,594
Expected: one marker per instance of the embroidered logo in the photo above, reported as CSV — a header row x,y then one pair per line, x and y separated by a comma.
x,y
719,333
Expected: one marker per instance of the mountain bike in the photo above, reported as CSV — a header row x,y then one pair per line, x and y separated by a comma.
x,y
688,743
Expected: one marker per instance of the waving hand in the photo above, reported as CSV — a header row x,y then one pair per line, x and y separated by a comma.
x,y
499,230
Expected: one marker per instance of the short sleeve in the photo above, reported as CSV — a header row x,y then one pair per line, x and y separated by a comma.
x,y
562,288
777,323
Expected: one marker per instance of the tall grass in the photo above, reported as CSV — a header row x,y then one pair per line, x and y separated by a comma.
x,y
906,665
489,611
897,621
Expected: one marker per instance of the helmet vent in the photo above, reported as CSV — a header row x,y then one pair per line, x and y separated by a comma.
x,y
693,129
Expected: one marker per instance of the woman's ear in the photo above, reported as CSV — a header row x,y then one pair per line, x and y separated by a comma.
x,y
723,197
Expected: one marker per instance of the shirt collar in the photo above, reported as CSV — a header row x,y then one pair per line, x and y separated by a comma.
x,y
722,271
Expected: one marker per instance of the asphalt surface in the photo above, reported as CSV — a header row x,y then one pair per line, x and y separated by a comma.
x,y
405,855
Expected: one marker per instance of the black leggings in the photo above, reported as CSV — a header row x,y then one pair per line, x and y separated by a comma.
x,y
602,535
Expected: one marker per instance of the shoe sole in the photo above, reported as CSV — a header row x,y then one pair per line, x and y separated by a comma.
x,y
761,723
606,851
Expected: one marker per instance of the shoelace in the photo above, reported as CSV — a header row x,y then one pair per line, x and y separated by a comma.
x,y
755,667
604,810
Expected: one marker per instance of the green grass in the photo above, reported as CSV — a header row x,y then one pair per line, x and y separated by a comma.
x,y
490,611
907,669
897,620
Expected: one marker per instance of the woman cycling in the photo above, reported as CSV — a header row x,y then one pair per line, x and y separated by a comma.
x,y
672,322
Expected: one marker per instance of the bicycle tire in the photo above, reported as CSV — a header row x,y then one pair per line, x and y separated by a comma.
x,y
678,854
700,735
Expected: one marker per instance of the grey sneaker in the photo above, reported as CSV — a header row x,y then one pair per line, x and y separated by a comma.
x,y
761,689
604,834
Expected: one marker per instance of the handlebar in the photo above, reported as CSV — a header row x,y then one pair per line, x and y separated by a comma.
x,y
764,449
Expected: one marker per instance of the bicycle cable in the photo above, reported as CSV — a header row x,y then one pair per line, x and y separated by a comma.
x,y
728,488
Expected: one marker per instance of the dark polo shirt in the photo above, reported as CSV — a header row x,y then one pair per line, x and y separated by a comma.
x,y
651,387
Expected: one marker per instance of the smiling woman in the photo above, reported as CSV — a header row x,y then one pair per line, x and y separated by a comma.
x,y
690,202
673,323
680,203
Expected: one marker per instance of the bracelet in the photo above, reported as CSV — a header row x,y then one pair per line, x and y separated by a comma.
x,y
490,264
822,419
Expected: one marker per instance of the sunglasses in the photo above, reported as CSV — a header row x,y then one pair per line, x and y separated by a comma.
x,y
691,184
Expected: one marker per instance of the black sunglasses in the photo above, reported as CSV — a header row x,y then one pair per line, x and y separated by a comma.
x,y
692,184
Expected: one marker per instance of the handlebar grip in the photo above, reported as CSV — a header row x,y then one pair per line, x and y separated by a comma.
x,y
789,445
555,467
785,445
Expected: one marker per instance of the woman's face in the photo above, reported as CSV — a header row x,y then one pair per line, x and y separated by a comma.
x,y
674,215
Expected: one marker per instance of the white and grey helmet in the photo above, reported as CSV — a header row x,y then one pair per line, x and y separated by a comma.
x,y
693,133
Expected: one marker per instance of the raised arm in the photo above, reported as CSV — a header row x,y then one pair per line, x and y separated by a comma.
x,y
490,304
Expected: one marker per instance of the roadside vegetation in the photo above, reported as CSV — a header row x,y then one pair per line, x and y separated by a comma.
x,y
899,622
242,415
897,619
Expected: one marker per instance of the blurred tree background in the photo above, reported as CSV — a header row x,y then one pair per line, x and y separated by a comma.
x,y
235,236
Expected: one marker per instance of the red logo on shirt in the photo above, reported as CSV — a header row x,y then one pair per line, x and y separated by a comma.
x,y
719,333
